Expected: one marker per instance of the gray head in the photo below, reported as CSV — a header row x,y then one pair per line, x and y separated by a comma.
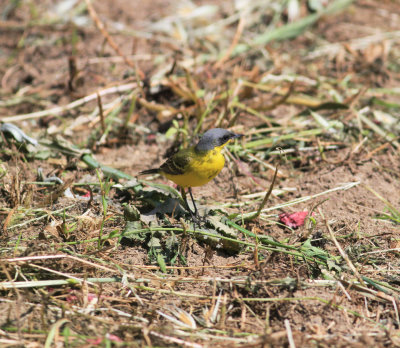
x,y
215,137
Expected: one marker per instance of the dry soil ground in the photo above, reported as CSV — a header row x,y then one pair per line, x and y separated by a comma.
x,y
157,280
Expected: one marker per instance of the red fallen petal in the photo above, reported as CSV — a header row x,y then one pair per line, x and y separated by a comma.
x,y
293,220
94,340
151,137
71,298
114,338
91,296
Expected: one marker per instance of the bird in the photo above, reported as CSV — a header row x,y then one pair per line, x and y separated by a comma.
x,y
196,165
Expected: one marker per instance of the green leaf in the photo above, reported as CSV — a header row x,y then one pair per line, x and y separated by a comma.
x,y
161,263
216,221
53,332
131,233
221,236
131,213
163,188
171,243
332,265
313,251
154,243
171,132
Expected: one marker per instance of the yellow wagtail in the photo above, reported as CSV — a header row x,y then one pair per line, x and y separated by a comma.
x,y
196,165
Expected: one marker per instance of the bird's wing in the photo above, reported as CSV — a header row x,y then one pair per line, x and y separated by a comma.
x,y
178,163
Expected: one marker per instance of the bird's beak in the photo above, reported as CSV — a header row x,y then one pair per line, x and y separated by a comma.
x,y
237,136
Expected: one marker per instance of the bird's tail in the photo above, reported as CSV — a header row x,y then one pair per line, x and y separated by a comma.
x,y
149,171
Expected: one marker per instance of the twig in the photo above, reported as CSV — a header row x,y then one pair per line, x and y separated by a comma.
x,y
266,165
356,44
380,251
8,219
111,42
32,258
99,103
235,41
54,282
343,187
68,276
373,152
178,341
261,207
42,217
386,135
344,290
341,251
396,310
60,109
289,334
117,59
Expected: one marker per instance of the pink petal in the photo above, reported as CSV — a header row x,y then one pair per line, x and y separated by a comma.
x,y
114,338
293,220
96,341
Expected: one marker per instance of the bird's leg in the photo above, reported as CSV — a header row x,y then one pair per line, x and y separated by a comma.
x,y
194,215
196,212
183,194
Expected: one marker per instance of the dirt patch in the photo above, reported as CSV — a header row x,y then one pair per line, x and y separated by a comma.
x,y
100,258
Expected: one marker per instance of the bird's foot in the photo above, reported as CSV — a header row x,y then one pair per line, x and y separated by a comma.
x,y
197,218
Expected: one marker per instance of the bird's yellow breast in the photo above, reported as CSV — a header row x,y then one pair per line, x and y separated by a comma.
x,y
201,169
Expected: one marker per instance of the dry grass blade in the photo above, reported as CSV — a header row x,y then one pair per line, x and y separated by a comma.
x,y
303,199
377,129
79,102
235,41
54,333
8,219
266,197
108,260
109,39
175,340
341,251
294,29
289,334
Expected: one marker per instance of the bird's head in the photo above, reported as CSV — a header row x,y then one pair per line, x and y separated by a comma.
x,y
216,137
